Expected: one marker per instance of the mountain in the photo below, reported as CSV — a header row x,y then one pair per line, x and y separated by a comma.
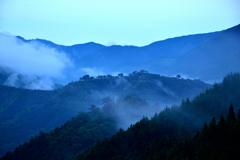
x,y
113,55
203,56
89,58
26,63
215,58
28,111
74,51
174,47
99,56
3,78
173,133
168,134
171,47
208,61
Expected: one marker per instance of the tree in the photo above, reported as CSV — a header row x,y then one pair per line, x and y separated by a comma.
x,y
231,115
222,124
178,76
120,75
85,77
108,103
134,72
143,71
104,77
94,109
109,76
238,115
100,77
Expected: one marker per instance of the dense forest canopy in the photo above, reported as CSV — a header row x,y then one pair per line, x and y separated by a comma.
x,y
174,132
191,130
29,111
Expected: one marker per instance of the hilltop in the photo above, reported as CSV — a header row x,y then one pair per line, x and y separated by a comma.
x,y
28,111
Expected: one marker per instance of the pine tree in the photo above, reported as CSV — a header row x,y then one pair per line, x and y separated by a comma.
x,y
238,115
231,115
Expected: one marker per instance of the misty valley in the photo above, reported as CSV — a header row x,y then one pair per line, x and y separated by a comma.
x,y
173,99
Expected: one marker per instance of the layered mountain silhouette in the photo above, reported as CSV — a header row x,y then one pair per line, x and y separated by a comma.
x,y
208,61
207,56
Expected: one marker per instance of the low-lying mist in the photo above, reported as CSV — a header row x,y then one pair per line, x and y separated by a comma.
x,y
129,110
129,98
31,65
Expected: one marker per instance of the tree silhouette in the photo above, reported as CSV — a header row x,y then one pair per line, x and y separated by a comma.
x,y
231,115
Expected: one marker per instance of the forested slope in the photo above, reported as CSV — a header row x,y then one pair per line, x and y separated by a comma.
x,y
24,112
162,136
80,133
169,134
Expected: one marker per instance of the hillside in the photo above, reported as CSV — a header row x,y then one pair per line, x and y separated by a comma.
x,y
208,61
220,56
174,47
29,111
172,134
82,131
159,137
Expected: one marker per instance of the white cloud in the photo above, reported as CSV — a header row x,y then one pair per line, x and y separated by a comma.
x,y
32,65
31,59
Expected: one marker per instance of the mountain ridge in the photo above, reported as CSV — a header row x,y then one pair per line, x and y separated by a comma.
x,y
89,134
180,55
209,61
27,111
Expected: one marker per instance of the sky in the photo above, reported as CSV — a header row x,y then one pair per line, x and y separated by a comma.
x,y
115,22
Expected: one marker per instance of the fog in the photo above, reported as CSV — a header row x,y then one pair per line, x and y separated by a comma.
x,y
31,65
165,89
127,109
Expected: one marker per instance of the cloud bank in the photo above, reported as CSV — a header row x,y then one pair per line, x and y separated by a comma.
x,y
34,64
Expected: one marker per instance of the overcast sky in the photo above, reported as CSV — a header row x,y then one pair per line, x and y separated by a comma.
x,y
123,22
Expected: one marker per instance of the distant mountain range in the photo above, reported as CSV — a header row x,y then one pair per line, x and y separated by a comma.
x,y
208,61
207,57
